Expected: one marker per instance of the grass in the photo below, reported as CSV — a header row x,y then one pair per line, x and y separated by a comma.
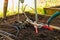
x,y
8,13
40,10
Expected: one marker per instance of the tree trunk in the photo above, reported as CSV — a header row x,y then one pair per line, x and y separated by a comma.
x,y
5,8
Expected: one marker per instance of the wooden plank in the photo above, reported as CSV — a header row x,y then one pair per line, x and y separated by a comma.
x,y
55,27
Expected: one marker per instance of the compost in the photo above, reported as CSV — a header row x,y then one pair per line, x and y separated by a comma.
x,y
27,32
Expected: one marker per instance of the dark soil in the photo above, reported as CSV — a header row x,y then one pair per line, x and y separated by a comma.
x,y
29,33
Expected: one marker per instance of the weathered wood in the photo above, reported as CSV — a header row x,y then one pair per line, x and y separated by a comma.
x,y
50,11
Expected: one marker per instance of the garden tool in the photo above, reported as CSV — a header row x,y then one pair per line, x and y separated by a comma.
x,y
45,26
42,25
52,17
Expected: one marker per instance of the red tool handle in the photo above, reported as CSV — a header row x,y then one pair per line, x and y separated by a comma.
x,y
46,27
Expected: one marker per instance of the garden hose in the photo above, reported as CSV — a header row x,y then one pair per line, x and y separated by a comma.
x,y
13,25
15,28
7,34
52,17
4,37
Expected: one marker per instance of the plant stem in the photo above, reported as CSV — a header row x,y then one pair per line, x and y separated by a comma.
x,y
18,8
36,16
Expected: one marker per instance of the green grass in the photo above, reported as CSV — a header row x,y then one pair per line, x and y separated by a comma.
x,y
8,13
40,10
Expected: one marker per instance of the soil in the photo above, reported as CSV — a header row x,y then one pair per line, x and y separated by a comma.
x,y
29,33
